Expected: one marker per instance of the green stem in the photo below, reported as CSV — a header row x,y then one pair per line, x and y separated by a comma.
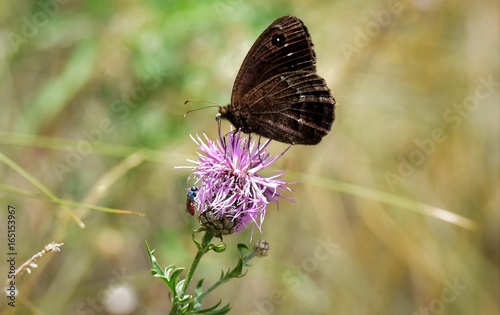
x,y
213,287
246,259
174,310
231,274
202,250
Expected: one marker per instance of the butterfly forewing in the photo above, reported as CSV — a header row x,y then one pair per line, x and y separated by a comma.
x,y
284,46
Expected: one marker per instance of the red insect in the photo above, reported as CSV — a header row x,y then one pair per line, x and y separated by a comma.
x,y
190,203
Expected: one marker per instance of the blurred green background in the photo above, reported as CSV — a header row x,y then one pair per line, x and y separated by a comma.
x,y
397,209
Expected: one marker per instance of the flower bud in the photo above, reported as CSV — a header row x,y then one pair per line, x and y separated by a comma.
x,y
261,248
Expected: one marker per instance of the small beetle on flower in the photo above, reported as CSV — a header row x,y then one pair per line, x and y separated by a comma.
x,y
190,206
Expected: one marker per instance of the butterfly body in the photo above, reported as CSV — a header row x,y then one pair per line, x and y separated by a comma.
x,y
277,93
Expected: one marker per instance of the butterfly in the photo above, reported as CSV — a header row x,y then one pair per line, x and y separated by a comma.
x,y
277,93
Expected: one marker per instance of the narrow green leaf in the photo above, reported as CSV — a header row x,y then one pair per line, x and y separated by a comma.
x,y
175,274
178,288
213,311
199,287
242,247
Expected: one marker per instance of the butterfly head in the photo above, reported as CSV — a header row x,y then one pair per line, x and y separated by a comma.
x,y
236,117
224,111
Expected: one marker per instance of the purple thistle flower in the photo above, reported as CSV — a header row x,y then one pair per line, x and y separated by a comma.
x,y
232,194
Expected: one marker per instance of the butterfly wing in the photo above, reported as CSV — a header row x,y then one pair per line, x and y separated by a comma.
x,y
277,93
293,107
283,47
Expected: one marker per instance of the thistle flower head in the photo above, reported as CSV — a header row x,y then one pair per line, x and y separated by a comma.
x,y
232,194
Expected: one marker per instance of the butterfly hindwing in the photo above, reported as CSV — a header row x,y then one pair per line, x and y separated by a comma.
x,y
295,107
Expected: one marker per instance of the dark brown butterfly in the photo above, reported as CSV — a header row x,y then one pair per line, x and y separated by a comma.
x,y
277,93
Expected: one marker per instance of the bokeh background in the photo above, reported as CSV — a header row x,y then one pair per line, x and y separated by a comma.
x,y
396,211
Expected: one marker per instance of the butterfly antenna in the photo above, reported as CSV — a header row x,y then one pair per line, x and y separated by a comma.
x,y
199,101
